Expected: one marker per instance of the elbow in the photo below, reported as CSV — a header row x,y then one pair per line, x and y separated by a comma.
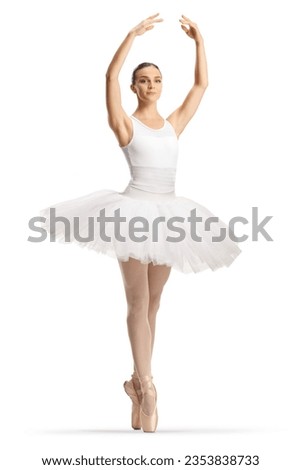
x,y
108,76
111,76
204,84
201,86
201,83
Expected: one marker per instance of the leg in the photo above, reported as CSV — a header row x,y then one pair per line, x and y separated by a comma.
x,y
143,287
157,278
135,278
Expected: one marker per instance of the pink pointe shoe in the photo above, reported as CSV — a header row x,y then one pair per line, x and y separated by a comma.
x,y
149,419
133,390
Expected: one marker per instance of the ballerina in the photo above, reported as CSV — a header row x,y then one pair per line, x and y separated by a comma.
x,y
150,145
144,283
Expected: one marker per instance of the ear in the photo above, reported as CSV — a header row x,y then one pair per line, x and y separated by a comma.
x,y
133,88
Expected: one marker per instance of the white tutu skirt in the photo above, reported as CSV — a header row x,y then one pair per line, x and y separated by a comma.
x,y
152,227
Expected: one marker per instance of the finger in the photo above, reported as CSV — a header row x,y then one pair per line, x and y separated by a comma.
x,y
189,23
153,19
149,27
153,16
184,28
147,23
184,21
150,21
186,18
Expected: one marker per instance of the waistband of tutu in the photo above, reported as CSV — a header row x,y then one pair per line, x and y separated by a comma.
x,y
155,180
135,193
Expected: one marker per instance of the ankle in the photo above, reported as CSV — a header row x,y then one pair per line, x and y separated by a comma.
x,y
135,380
146,383
149,395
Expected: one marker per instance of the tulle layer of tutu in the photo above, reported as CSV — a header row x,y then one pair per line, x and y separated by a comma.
x,y
150,228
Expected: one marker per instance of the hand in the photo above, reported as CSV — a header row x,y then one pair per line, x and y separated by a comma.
x,y
146,25
193,31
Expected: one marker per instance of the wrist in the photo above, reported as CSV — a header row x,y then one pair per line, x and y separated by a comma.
x,y
131,34
199,40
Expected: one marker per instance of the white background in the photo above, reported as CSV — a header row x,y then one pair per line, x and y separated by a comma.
x,y
226,360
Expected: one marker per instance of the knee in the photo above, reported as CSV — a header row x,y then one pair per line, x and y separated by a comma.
x,y
154,304
137,306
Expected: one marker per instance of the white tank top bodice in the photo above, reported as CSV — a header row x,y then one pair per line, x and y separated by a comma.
x,y
152,156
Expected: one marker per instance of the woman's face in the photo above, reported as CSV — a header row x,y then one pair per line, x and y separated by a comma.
x,y
148,84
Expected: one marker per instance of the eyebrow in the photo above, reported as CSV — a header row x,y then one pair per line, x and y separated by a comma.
x,y
146,76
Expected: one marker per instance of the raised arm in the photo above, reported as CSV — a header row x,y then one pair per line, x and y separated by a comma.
x,y
118,120
182,115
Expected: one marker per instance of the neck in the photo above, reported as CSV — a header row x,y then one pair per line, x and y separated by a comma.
x,y
147,110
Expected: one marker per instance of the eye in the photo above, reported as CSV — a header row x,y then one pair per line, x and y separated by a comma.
x,y
158,80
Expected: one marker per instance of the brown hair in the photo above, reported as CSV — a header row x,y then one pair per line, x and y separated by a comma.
x,y
142,66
